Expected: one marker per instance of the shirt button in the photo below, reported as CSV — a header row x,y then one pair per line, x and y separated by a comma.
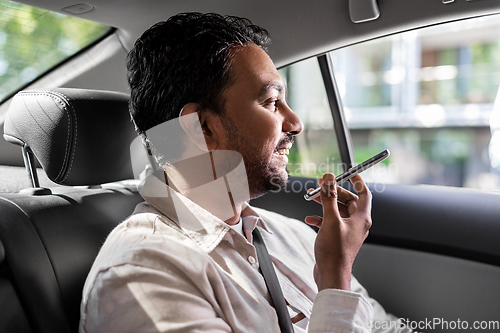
x,y
232,232
251,260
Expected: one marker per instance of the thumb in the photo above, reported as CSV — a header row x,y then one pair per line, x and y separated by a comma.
x,y
314,220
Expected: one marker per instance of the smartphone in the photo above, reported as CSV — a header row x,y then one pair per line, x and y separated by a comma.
x,y
352,172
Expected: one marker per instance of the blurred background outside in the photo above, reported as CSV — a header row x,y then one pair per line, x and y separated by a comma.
x,y
428,95
33,40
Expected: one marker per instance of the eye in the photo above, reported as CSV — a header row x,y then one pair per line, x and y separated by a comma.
x,y
271,103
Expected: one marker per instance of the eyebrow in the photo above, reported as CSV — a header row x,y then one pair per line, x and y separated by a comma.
x,y
272,86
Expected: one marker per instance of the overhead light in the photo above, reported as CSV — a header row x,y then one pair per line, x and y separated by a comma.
x,y
363,10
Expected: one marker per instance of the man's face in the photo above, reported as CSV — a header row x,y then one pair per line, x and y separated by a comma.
x,y
257,121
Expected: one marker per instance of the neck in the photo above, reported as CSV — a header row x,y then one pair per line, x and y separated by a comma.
x,y
181,184
233,220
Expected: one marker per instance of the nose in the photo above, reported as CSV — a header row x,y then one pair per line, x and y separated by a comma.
x,y
291,122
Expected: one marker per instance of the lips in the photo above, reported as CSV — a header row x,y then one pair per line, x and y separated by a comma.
x,y
283,147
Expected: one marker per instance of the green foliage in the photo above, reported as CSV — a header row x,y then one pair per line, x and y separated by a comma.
x,y
33,40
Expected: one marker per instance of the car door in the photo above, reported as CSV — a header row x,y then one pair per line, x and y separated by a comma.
x,y
431,97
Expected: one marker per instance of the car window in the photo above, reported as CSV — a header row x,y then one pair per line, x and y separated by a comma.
x,y
34,40
315,151
432,97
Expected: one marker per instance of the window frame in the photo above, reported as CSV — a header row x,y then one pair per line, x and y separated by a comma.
x,y
340,127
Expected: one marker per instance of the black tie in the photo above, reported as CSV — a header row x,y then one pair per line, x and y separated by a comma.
x,y
272,283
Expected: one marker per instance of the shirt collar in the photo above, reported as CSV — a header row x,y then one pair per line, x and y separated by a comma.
x,y
196,222
246,213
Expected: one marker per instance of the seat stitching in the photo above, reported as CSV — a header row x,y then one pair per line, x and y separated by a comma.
x,y
67,100
58,99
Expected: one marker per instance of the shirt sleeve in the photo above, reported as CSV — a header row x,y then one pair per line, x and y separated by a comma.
x,y
160,302
340,311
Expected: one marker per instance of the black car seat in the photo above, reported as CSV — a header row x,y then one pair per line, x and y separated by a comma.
x,y
50,237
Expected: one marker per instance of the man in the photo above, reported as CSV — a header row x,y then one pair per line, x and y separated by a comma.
x,y
184,261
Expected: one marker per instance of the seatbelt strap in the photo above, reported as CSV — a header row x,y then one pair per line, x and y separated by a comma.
x,y
272,283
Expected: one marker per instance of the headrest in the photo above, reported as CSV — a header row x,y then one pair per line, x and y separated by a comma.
x,y
79,136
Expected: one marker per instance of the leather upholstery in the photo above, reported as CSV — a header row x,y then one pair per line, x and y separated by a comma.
x,y
79,136
49,241
50,244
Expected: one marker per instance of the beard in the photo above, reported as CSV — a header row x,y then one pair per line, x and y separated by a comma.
x,y
263,175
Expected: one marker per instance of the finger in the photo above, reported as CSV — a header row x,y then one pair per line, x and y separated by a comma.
x,y
345,211
329,196
364,195
346,196
350,201
314,220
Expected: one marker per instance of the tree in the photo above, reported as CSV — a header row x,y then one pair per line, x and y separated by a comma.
x,y
33,40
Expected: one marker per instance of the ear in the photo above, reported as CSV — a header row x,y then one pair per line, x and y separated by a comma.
x,y
197,123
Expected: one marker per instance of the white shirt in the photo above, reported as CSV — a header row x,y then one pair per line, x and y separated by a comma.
x,y
155,274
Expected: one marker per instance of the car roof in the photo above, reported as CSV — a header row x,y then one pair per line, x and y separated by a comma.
x,y
299,29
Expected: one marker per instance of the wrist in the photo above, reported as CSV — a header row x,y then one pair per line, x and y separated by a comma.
x,y
335,280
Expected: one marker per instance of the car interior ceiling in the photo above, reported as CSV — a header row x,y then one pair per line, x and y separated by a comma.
x,y
440,244
316,28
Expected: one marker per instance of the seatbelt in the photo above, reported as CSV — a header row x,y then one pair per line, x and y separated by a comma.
x,y
272,283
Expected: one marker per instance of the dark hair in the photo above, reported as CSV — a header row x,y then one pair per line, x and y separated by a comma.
x,y
185,59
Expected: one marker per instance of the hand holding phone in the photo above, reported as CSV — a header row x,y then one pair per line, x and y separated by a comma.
x,y
351,172
342,230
